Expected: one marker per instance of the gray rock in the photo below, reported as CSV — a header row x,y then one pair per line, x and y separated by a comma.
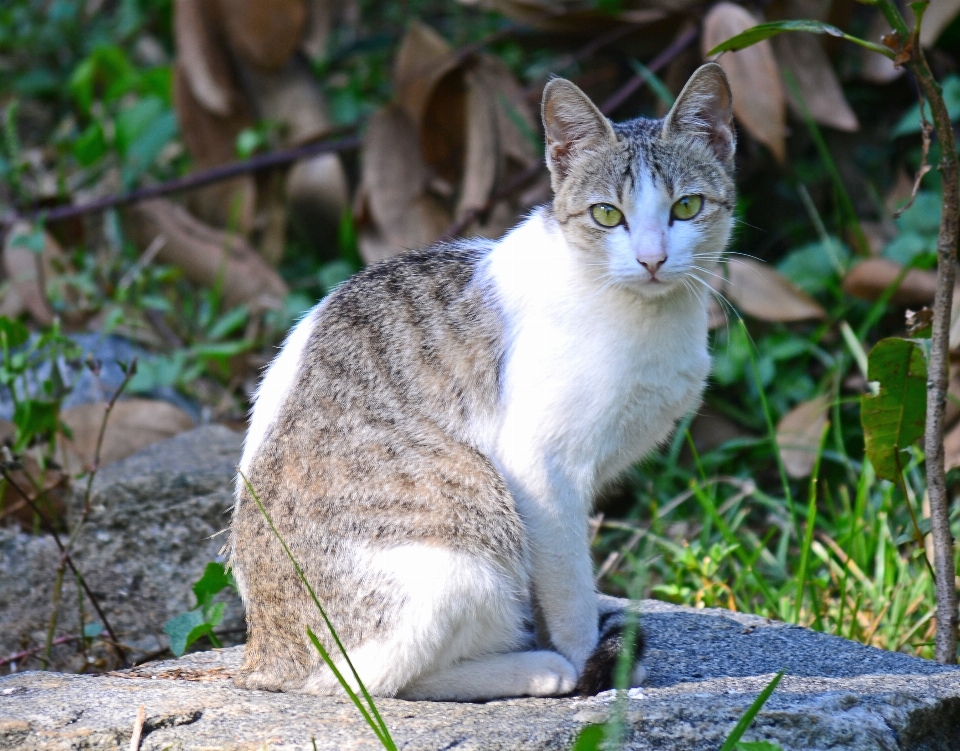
x,y
705,668
148,539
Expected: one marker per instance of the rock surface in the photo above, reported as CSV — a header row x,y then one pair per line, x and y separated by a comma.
x,y
705,668
148,539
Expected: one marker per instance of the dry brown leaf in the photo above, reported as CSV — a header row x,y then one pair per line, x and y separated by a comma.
x,y
204,253
711,428
133,425
762,292
29,272
870,278
289,96
210,139
577,17
264,33
803,55
798,435
758,99
48,489
395,180
202,57
423,59
938,15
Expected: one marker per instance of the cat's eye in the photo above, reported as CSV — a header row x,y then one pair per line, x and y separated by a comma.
x,y
686,207
606,215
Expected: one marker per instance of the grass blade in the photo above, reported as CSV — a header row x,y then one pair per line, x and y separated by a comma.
x,y
808,531
741,727
384,733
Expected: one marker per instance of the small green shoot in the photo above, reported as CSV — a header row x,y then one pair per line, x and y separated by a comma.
x,y
731,744
186,628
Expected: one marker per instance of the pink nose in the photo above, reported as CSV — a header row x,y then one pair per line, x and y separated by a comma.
x,y
652,262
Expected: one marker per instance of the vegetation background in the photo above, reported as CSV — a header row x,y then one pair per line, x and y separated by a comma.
x,y
379,126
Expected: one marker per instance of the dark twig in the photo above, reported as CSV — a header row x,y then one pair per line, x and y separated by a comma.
x,y
678,45
130,371
34,650
59,543
191,181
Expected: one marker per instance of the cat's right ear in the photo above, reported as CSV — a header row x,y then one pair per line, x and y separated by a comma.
x,y
573,126
704,109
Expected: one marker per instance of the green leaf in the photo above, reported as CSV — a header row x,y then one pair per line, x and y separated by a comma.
x,y
894,417
89,145
910,122
185,629
92,630
214,580
12,332
34,417
758,746
741,727
589,739
766,30
812,266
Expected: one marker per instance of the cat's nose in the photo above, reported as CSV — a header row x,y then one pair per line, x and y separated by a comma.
x,y
652,261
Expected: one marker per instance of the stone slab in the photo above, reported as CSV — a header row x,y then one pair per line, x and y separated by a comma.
x,y
705,668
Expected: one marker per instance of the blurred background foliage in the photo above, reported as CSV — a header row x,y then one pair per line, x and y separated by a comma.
x,y
99,97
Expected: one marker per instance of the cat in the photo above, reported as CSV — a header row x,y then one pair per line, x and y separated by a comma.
x,y
431,437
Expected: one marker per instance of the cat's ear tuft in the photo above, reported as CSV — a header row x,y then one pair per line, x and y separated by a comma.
x,y
573,125
704,110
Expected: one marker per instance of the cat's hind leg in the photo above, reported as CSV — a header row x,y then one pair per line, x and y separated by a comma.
x,y
540,673
450,607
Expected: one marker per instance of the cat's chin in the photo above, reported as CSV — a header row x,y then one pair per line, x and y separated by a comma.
x,y
653,289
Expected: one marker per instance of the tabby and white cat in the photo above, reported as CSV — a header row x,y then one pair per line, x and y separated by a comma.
x,y
431,437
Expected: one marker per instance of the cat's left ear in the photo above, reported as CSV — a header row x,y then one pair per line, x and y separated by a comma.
x,y
573,126
704,110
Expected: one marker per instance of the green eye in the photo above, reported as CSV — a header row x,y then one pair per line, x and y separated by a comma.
x,y
606,215
686,207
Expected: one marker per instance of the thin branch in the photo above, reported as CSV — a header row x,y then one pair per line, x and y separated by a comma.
x,y
56,538
189,182
35,650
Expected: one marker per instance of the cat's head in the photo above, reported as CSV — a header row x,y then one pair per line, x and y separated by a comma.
x,y
649,203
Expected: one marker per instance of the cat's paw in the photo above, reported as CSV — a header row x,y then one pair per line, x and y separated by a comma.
x,y
599,671
554,675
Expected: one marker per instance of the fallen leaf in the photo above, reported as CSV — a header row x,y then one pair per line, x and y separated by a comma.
x,y
803,55
576,17
798,435
712,428
423,59
289,95
204,254
395,178
758,98
133,425
938,15
870,278
48,489
207,67
761,291
210,139
264,33
28,270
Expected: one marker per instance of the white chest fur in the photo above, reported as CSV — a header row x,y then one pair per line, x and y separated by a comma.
x,y
595,377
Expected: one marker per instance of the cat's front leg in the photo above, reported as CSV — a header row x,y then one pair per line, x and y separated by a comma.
x,y
561,575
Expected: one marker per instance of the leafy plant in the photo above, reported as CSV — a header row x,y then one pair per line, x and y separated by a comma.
x,y
205,616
